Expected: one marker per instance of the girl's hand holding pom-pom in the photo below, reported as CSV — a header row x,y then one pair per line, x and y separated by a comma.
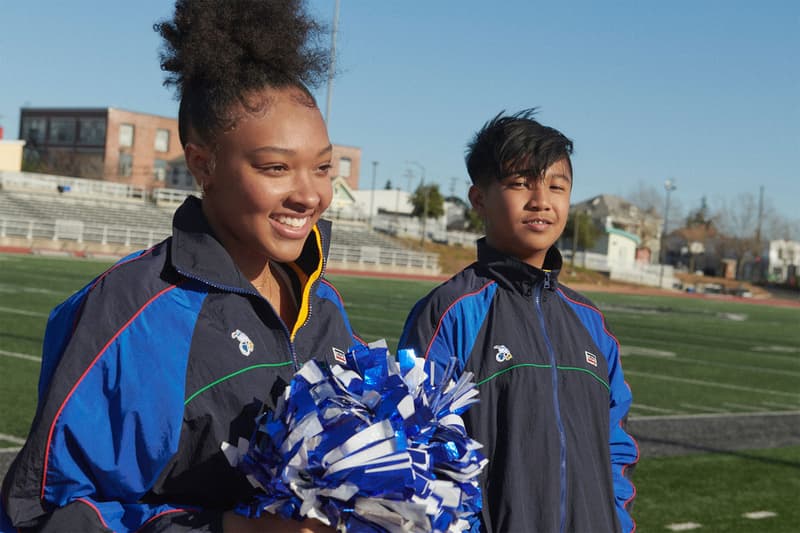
x,y
377,444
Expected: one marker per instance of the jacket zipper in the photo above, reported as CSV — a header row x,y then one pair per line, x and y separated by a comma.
x,y
253,293
554,373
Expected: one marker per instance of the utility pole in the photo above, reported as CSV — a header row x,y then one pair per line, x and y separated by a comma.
x,y
760,215
669,186
372,192
758,233
424,202
332,66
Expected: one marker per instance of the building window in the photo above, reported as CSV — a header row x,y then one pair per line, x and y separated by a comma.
x,y
344,167
159,170
62,130
161,143
125,167
126,135
92,131
33,129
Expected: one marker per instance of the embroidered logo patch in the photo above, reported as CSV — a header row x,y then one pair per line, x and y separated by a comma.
x,y
591,358
246,346
503,354
338,356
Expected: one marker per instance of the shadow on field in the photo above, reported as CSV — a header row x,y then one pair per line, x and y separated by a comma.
x,y
721,434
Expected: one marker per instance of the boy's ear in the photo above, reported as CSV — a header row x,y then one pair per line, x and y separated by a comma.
x,y
200,162
478,200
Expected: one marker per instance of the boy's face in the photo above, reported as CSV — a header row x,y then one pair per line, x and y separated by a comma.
x,y
525,215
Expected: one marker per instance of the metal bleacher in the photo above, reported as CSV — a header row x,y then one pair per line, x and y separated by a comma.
x,y
117,217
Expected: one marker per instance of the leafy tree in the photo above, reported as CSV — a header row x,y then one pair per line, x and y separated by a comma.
x,y
474,221
388,185
587,231
430,195
457,201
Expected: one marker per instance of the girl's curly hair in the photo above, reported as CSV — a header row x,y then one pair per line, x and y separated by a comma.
x,y
219,52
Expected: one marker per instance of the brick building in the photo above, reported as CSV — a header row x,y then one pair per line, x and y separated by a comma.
x,y
100,143
346,162
125,147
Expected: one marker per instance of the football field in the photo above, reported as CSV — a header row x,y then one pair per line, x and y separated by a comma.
x,y
716,387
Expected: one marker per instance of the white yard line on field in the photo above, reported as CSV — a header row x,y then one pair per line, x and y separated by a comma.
x,y
711,384
12,439
703,408
759,515
22,312
637,405
21,356
781,405
754,408
749,368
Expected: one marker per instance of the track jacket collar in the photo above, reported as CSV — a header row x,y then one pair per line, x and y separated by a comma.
x,y
196,253
515,274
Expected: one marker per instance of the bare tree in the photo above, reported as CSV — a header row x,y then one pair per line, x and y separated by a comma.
x,y
738,221
652,199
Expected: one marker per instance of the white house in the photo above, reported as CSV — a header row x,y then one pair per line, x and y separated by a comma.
x,y
783,257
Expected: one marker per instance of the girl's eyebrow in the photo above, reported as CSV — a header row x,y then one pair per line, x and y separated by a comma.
x,y
288,151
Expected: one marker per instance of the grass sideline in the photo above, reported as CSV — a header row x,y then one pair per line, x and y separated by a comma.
x,y
681,356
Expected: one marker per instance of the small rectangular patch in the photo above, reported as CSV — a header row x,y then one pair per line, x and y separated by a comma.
x,y
683,526
759,515
339,356
591,358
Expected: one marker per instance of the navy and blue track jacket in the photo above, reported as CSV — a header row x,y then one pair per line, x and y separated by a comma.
x,y
147,370
553,401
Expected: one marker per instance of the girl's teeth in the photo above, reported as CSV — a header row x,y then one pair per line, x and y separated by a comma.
x,y
293,222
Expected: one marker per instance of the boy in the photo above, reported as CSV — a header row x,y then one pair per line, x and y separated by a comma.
x,y
553,402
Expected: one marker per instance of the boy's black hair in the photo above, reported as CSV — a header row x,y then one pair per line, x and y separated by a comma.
x,y
218,52
511,144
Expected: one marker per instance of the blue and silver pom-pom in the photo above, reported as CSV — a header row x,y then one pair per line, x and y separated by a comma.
x,y
375,445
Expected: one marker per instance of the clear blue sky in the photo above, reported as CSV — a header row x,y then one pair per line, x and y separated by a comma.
x,y
704,92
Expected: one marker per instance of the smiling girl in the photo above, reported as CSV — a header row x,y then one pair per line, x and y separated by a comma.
x,y
148,369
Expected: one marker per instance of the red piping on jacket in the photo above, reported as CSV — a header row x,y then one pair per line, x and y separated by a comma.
x,y
85,373
439,325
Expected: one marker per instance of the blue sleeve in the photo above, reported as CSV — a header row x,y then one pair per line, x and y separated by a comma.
x,y
441,328
623,448
109,417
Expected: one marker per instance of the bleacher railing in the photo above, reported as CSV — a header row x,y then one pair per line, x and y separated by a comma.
x,y
78,231
82,232
169,196
374,256
27,181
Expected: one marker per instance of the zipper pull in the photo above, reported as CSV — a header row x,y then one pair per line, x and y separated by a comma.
x,y
546,279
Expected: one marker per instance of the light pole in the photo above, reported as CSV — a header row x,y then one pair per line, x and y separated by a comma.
x,y
425,200
372,192
669,186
